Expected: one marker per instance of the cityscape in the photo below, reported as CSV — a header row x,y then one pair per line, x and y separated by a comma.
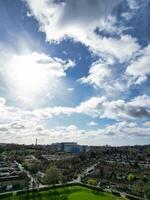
x,y
74,99
123,170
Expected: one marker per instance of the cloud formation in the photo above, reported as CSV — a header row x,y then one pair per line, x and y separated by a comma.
x,y
102,33
99,74
100,136
101,107
47,97
28,125
71,19
139,69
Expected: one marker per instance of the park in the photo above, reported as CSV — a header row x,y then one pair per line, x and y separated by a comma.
x,y
63,193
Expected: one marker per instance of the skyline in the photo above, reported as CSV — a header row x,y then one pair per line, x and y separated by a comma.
x,y
75,71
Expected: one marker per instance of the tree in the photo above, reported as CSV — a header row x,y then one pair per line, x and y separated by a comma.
x,y
102,172
131,177
92,182
113,176
33,167
83,156
53,176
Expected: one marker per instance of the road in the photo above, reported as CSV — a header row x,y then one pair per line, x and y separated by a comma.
x,y
84,173
33,180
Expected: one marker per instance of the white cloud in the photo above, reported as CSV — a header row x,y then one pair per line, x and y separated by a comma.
x,y
139,69
143,101
18,125
98,74
127,129
92,107
70,89
136,108
137,4
73,133
89,107
72,19
70,16
133,4
101,107
24,126
103,75
92,123
147,123
111,46
30,75
2,101
119,109
127,15
50,112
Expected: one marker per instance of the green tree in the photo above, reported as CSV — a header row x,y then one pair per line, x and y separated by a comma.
x,y
53,176
92,182
131,177
33,167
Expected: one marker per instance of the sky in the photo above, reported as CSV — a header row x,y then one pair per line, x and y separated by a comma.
x,y
75,71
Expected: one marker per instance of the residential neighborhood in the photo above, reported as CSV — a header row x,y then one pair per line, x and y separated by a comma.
x,y
124,169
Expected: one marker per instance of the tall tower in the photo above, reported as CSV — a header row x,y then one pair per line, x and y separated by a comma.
x,y
36,142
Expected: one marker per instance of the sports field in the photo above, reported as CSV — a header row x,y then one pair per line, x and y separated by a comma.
x,y
69,193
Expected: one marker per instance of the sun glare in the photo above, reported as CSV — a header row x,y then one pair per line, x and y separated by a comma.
x,y
27,76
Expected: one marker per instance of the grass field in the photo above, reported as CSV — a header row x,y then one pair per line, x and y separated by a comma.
x,y
69,193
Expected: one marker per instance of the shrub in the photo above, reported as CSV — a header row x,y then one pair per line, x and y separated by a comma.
x,y
92,182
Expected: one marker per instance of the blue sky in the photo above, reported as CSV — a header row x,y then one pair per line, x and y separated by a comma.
x,y
75,71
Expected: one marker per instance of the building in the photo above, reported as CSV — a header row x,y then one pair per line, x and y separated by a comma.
x,y
73,147
11,178
69,147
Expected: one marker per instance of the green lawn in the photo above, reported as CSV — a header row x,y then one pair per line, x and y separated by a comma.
x,y
86,194
68,193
